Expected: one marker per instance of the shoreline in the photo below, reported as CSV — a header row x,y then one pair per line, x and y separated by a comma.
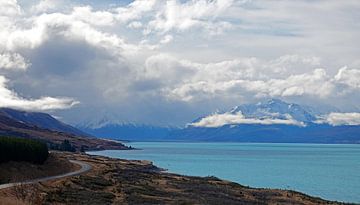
x,y
167,171
118,181
292,187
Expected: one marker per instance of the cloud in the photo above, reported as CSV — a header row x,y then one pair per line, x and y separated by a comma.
x,y
97,18
46,5
219,120
249,75
189,81
135,24
194,55
183,16
9,8
9,98
134,10
349,77
13,61
77,26
166,39
337,119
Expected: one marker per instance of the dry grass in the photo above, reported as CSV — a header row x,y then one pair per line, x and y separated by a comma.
x,y
21,171
10,201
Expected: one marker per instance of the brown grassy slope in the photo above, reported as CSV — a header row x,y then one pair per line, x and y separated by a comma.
x,y
20,171
113,181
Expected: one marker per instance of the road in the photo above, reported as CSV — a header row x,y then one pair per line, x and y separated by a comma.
x,y
84,168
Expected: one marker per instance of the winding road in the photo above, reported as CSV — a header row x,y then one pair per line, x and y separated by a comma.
x,y
84,168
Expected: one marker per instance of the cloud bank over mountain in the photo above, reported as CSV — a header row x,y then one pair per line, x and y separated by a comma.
x,y
218,120
342,119
148,61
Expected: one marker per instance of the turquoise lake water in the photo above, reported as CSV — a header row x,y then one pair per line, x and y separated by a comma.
x,y
328,171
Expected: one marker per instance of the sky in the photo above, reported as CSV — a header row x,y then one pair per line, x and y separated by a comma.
x,y
168,62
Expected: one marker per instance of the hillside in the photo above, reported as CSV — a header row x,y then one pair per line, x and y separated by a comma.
x,y
41,120
41,126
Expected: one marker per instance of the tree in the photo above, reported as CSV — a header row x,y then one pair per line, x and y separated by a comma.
x,y
20,149
66,146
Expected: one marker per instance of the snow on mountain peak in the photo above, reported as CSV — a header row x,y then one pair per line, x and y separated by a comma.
x,y
275,108
272,111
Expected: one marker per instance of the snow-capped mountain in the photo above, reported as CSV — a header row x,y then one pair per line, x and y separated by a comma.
x,y
267,121
108,127
275,108
272,111
273,121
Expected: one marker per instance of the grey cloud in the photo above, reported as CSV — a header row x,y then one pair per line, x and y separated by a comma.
x,y
148,58
9,98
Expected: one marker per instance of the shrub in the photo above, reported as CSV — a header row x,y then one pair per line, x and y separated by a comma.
x,y
66,146
20,149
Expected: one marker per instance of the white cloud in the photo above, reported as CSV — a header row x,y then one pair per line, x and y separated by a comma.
x,y
97,18
292,63
337,119
350,77
135,24
182,16
13,61
219,120
9,8
166,39
241,75
9,98
76,26
46,5
134,10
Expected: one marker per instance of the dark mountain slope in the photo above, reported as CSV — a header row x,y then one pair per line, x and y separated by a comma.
x,y
11,126
42,120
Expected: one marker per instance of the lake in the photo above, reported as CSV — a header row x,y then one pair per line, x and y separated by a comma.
x,y
329,171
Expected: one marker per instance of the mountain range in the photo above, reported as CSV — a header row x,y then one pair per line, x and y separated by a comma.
x,y
268,121
127,131
271,120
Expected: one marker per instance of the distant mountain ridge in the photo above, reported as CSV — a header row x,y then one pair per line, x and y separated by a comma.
x,y
42,126
42,120
271,120
127,131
